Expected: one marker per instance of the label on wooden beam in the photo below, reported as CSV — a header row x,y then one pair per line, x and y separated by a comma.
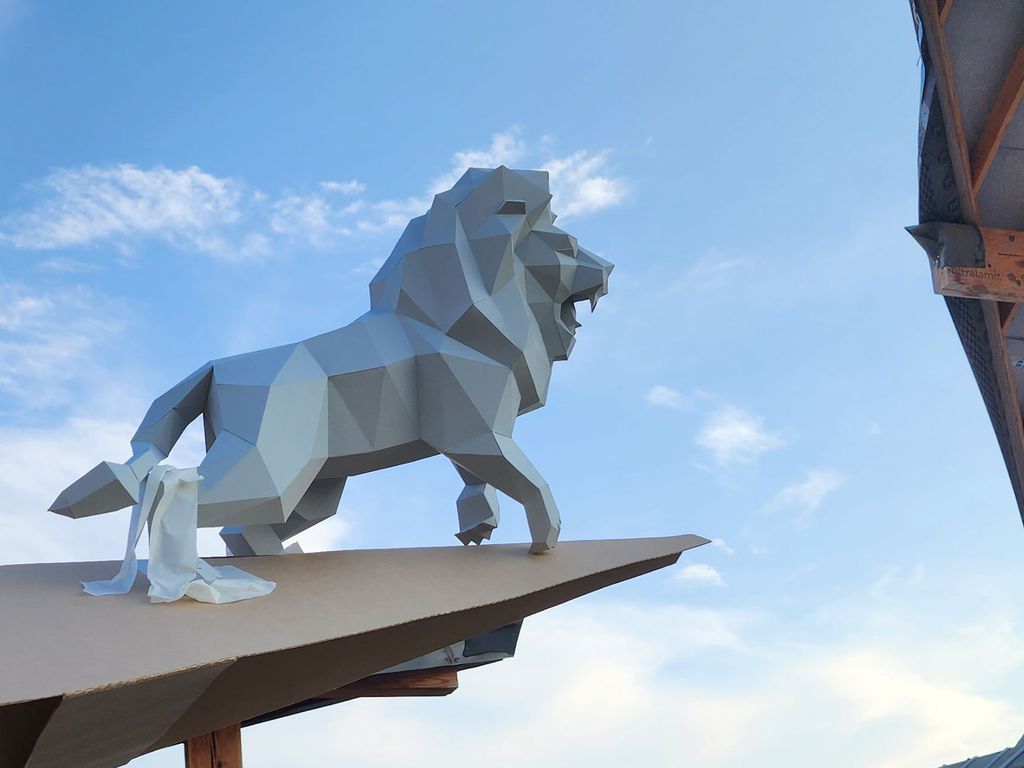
x,y
974,262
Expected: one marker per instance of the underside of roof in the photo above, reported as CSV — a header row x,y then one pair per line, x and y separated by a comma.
x,y
1011,757
971,204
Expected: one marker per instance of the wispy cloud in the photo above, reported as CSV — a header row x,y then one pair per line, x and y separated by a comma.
x,y
124,206
313,218
662,396
808,494
697,574
352,187
736,436
720,544
584,182
47,339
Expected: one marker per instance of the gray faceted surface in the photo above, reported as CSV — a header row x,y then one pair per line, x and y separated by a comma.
x,y
467,317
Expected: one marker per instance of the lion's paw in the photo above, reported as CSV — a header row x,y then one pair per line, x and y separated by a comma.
x,y
477,533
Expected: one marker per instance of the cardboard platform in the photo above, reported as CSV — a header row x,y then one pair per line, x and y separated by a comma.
x,y
94,682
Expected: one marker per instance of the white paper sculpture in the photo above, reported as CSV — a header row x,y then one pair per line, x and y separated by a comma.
x,y
467,316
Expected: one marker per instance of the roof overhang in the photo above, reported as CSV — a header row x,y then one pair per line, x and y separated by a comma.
x,y
971,165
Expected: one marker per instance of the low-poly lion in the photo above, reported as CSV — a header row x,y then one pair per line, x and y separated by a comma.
x,y
467,316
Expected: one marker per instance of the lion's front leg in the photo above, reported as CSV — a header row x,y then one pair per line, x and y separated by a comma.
x,y
478,509
497,461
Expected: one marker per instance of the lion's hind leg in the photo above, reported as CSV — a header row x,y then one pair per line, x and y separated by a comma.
x,y
318,503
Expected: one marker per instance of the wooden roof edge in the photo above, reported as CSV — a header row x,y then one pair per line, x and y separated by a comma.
x,y
929,17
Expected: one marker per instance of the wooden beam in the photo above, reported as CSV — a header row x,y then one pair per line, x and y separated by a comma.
x,y
949,102
944,9
220,749
1007,314
1003,110
439,681
1000,278
420,682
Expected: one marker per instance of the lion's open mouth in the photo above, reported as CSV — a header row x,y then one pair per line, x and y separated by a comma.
x,y
569,306
569,315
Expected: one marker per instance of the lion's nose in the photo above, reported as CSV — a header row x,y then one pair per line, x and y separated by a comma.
x,y
591,280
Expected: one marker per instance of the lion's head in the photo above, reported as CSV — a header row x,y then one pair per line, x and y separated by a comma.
x,y
487,266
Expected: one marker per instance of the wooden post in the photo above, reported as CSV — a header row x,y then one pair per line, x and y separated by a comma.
x,y
220,749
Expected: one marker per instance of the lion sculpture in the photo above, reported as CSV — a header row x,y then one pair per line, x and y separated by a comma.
x,y
467,316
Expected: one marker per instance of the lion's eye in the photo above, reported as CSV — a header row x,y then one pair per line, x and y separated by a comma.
x,y
513,207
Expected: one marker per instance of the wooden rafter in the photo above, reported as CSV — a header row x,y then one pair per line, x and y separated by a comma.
x,y
1007,313
945,7
999,118
938,53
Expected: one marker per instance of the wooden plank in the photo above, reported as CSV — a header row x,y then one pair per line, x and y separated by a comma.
x,y
1000,278
220,749
949,102
420,682
1003,110
1007,314
944,9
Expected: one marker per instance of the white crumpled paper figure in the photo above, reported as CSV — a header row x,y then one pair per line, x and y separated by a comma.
x,y
169,502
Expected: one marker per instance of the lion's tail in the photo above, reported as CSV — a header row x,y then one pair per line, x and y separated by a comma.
x,y
108,486
104,488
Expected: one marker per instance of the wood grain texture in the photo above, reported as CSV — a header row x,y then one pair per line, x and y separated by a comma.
x,y
220,749
1000,278
949,101
944,8
1002,112
420,682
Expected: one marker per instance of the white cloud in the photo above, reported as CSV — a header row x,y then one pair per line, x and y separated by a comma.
x,y
700,574
123,206
312,218
49,339
390,215
720,544
122,203
735,436
583,182
666,397
352,187
808,494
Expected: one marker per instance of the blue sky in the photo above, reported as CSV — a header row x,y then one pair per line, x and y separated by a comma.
x,y
770,368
